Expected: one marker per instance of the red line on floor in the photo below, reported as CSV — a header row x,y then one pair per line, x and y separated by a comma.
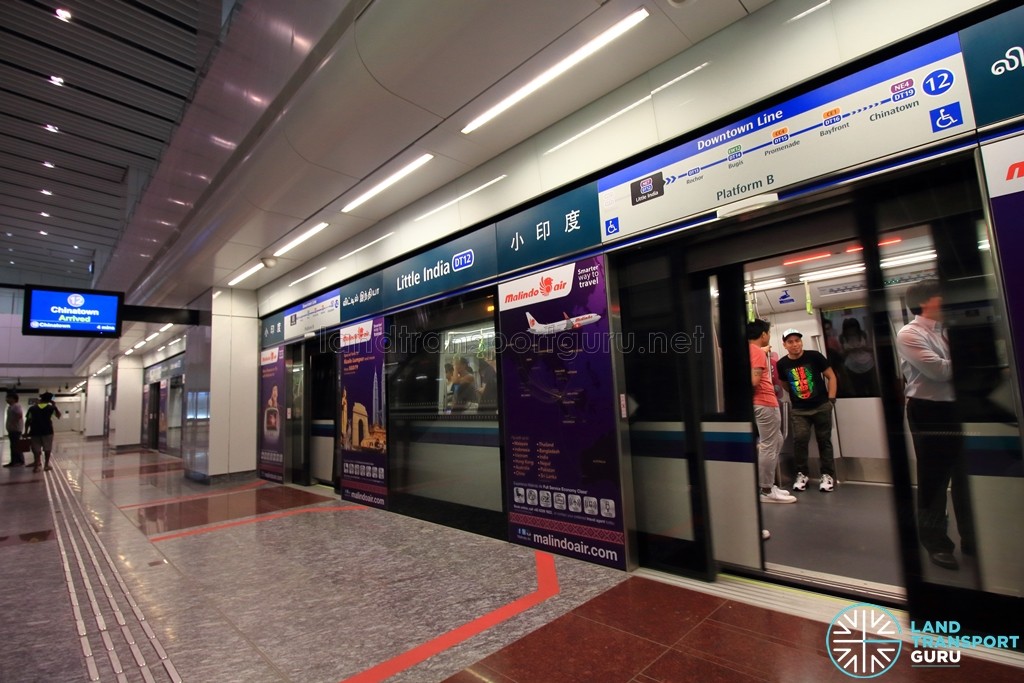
x,y
547,587
253,520
211,494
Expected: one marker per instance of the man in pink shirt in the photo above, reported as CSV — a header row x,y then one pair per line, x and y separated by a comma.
x,y
766,414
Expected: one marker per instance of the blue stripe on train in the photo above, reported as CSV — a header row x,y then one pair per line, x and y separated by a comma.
x,y
718,446
994,456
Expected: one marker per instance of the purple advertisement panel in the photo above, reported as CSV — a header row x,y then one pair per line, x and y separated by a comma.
x,y
362,445
562,464
162,418
270,464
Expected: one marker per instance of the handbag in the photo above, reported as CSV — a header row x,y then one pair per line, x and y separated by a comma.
x,y
24,444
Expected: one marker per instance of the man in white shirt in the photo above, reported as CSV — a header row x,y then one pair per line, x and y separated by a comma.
x,y
934,425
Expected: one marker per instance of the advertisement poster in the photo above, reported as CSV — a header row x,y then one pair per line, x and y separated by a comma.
x,y
562,465
272,390
361,449
162,417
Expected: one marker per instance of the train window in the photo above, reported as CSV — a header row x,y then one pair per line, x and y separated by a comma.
x,y
442,394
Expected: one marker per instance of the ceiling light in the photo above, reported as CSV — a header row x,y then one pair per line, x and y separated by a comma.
x,y
166,327
805,259
63,15
75,246
140,344
232,283
52,128
559,68
152,336
217,293
461,197
44,214
161,348
43,232
129,352
46,192
56,80
174,341
368,244
598,125
306,277
907,259
679,78
300,239
48,164
813,9
178,202
830,273
388,182
762,285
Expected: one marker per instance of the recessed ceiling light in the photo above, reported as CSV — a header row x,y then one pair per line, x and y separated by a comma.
x,y
75,246
52,128
63,15
300,239
43,232
56,80
129,352
559,68
44,214
388,182
153,336
461,197
140,344
166,327
46,192
368,244
244,275
49,164
306,277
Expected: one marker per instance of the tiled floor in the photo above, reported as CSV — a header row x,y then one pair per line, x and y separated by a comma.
x,y
117,567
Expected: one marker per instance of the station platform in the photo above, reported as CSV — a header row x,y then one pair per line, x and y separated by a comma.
x,y
117,568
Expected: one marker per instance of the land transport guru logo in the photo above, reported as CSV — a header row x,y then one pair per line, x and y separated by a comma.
x,y
864,641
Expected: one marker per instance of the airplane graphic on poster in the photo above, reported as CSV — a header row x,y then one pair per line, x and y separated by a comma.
x,y
563,325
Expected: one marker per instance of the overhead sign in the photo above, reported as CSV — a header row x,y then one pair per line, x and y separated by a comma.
x,y
164,369
994,57
362,297
567,224
459,263
910,100
314,315
272,332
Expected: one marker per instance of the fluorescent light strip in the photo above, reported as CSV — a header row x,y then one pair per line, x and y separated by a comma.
x,y
306,277
300,239
388,182
246,274
559,69
460,198
174,341
152,336
813,9
764,284
907,259
679,78
829,273
368,244
805,259
129,352
140,344
597,125
166,327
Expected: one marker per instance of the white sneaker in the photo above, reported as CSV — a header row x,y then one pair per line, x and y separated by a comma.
x,y
800,484
777,496
765,534
827,483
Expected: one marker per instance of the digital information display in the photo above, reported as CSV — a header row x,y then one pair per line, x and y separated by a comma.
x,y
71,312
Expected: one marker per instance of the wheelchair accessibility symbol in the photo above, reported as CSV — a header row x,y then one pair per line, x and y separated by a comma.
x,y
946,117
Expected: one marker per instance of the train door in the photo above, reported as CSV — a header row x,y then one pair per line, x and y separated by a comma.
x,y
841,268
153,416
322,386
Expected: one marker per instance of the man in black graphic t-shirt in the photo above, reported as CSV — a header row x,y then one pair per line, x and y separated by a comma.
x,y
812,385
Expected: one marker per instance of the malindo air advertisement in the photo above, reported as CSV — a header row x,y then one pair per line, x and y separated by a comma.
x,y
272,390
562,468
362,447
